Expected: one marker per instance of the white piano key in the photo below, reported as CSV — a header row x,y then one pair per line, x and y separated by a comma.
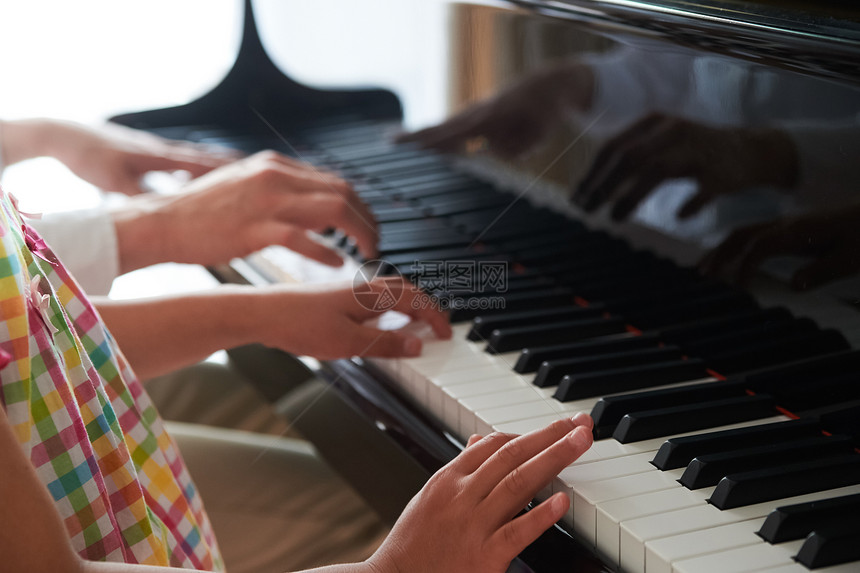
x,y
741,559
471,407
612,513
527,425
661,553
486,420
580,471
588,495
636,533
415,372
436,386
450,404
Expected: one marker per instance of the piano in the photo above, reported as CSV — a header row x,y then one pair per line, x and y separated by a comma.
x,y
727,418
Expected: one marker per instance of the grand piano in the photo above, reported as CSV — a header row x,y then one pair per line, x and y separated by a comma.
x,y
546,217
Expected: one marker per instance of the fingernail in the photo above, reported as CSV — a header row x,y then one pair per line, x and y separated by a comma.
x,y
579,437
581,418
559,504
412,347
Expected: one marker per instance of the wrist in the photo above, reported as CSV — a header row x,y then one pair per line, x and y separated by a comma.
x,y
143,231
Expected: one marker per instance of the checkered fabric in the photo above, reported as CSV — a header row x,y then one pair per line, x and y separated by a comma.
x,y
85,422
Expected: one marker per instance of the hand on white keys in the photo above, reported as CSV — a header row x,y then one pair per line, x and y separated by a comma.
x,y
466,518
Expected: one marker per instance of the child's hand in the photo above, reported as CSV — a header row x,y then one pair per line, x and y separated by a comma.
x,y
465,519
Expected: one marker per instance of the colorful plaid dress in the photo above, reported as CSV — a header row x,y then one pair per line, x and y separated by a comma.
x,y
85,422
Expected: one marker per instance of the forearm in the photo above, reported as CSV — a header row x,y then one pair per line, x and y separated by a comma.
x,y
24,139
159,335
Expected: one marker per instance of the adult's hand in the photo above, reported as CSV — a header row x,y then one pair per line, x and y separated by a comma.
x,y
831,238
660,147
111,157
265,199
517,119
466,518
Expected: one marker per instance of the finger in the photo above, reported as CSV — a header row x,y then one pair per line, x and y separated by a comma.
x,y
722,256
516,535
521,484
295,239
819,272
476,454
473,439
420,306
448,136
367,341
592,191
773,240
320,211
640,187
523,449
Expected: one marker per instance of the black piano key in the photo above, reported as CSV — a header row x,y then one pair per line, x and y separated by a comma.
x,y
417,242
441,209
758,486
615,380
423,164
778,351
748,336
551,372
806,370
685,310
797,398
513,284
531,358
518,337
403,161
650,295
831,545
510,302
647,424
452,253
678,452
372,156
483,326
397,214
407,179
424,193
609,410
791,522
707,470
407,226
841,419
625,283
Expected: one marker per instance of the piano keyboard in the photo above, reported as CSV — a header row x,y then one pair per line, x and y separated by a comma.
x,y
727,432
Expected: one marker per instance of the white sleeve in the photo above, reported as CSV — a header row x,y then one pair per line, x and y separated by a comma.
x,y
86,242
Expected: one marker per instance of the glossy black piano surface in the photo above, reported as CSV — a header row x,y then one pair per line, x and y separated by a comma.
x,y
606,147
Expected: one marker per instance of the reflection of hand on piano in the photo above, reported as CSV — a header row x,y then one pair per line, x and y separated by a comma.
x,y
518,119
831,237
464,519
659,147
266,199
